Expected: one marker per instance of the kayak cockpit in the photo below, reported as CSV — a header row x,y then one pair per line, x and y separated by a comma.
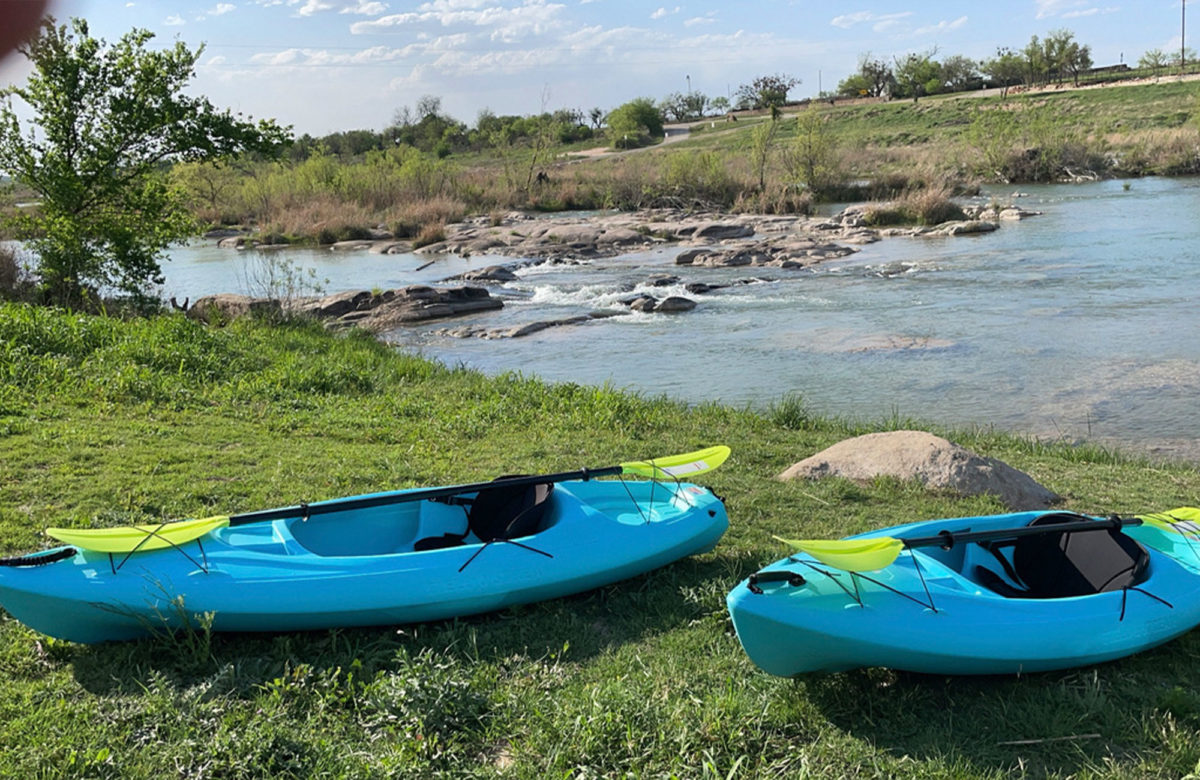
x,y
1050,565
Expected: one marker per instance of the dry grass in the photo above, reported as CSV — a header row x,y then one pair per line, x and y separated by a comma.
x,y
411,218
430,234
323,219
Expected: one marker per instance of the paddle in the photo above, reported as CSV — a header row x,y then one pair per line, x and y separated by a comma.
x,y
156,537
874,553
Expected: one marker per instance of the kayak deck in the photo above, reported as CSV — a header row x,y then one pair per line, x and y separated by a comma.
x,y
941,611
361,567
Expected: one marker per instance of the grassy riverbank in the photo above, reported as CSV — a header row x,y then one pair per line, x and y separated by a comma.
x,y
943,144
109,422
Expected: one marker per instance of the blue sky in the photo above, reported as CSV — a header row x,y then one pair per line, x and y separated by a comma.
x,y
328,65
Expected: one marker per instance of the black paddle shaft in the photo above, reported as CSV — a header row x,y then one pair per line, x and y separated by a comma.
x,y
948,539
402,496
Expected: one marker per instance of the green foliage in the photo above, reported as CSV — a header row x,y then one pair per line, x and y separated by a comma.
x,y
1031,146
635,123
917,74
762,142
1004,70
107,118
812,157
766,91
680,107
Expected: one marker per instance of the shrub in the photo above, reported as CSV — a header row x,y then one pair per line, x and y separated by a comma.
x,y
430,234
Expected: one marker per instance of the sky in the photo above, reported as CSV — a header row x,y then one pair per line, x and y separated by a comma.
x,y
323,66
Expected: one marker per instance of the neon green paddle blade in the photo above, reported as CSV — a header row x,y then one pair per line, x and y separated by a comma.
x,y
137,537
674,466
850,554
1181,520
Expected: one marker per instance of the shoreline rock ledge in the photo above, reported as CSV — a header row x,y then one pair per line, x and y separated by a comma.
x,y
374,311
932,461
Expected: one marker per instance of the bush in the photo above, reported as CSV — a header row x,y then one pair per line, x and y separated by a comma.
x,y
430,234
634,123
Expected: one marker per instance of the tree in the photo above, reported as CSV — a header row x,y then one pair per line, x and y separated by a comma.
x,y
875,76
109,119
1005,69
635,123
762,138
813,157
1063,55
766,91
1036,67
1154,60
680,107
960,73
918,74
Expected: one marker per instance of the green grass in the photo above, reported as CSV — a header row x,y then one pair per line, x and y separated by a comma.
x,y
104,421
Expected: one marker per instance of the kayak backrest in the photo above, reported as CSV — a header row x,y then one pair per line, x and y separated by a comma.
x,y
1057,565
508,511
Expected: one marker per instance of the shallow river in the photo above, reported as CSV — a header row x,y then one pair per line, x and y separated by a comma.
x,y
1081,323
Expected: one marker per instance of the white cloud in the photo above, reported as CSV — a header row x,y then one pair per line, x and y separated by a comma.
x,y
174,20
709,18
365,8
660,13
311,7
1066,9
942,26
221,8
878,22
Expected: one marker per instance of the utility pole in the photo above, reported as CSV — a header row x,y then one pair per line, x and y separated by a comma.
x,y
1182,29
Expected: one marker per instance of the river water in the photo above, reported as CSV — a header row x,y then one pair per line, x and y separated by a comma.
x,y
1079,324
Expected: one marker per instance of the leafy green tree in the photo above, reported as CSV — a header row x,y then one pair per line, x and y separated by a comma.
x,y
960,73
1036,68
766,91
1154,60
1005,69
1062,55
812,157
680,107
918,74
109,119
634,123
854,85
874,79
762,142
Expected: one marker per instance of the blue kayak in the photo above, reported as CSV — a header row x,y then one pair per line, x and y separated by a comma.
x,y
400,561
957,596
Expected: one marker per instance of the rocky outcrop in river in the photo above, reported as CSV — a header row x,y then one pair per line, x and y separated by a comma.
x,y
374,311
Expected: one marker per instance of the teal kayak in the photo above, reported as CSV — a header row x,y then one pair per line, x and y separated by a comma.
x,y
997,594
378,559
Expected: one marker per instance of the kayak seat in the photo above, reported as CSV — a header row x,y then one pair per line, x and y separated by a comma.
x,y
1060,565
497,514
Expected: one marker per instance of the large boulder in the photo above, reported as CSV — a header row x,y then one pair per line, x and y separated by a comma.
x,y
929,459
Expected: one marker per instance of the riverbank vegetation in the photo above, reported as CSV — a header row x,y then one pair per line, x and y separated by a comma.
x,y
108,422
866,150
427,169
